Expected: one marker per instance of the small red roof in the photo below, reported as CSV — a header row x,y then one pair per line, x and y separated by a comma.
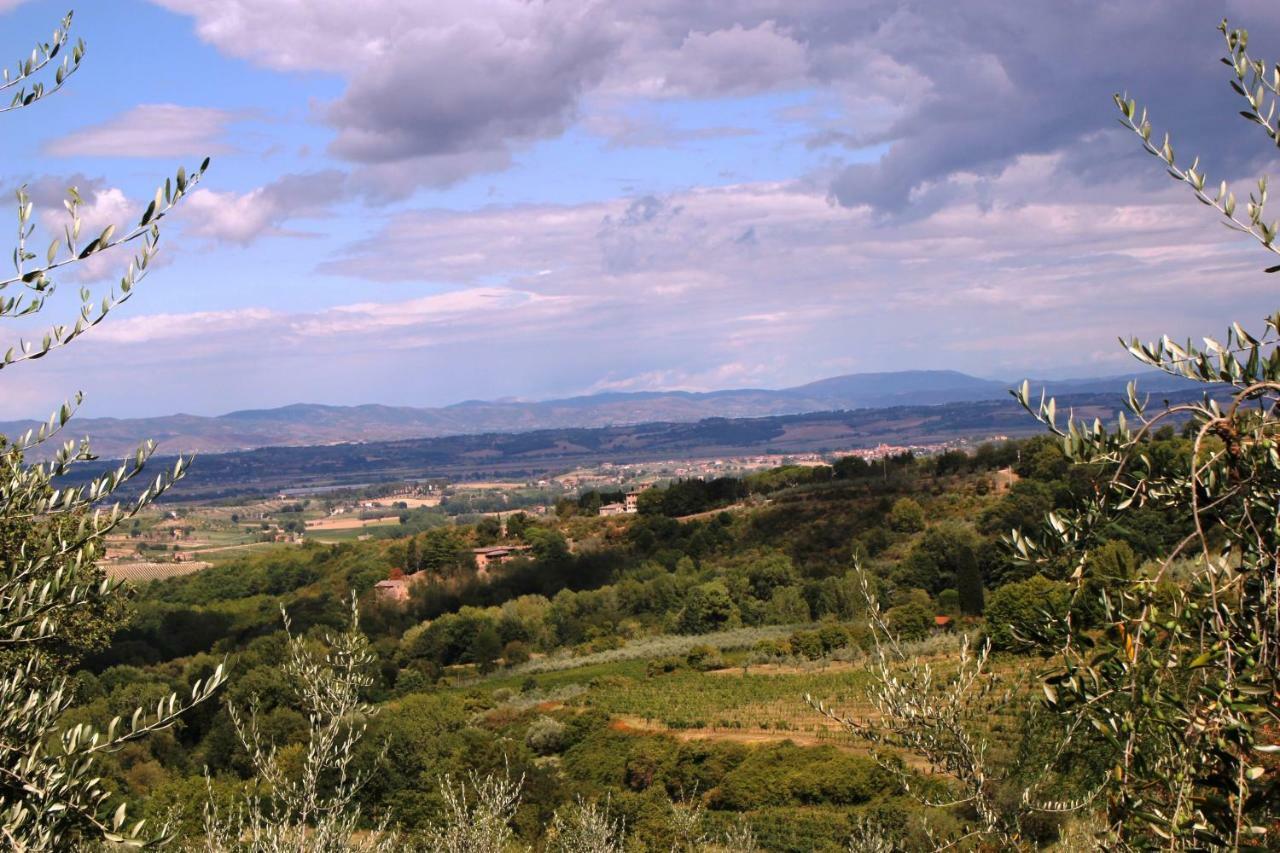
x,y
942,620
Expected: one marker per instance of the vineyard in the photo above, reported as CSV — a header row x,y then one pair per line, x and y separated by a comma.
x,y
730,701
743,701
763,701
141,572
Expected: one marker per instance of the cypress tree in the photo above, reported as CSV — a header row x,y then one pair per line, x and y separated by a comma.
x,y
969,583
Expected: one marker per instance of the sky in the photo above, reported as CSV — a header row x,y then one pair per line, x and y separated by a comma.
x,y
417,202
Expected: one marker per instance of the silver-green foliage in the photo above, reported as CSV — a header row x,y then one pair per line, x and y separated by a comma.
x,y
477,815
307,804
586,827
1182,683
50,795
942,715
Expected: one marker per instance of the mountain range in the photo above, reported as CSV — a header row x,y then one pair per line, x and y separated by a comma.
x,y
310,424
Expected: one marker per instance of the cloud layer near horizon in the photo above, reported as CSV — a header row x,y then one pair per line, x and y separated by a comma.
x,y
964,198
763,284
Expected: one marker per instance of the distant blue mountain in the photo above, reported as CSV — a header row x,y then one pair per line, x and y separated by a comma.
x,y
313,424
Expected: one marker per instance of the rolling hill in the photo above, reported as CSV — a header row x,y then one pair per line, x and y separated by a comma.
x,y
311,424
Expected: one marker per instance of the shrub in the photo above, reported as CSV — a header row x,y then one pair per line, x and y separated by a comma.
x,y
704,658
545,735
907,516
911,621
1018,614
807,644
515,653
662,666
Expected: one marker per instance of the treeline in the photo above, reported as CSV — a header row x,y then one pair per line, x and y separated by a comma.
x,y
690,496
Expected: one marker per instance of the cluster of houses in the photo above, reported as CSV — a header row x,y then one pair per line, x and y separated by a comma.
x,y
396,588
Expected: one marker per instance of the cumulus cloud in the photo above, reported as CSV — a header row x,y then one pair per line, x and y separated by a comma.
x,y
150,130
733,60
244,217
441,92
945,89
101,205
983,86
979,209
776,268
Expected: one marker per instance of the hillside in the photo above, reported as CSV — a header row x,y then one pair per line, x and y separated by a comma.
x,y
310,424
538,453
657,660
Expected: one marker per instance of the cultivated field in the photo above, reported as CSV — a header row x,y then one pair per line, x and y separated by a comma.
x,y
141,572
349,523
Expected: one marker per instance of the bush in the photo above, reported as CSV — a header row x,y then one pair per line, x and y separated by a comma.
x,y
786,774
704,658
911,621
807,644
907,516
1017,613
515,653
662,666
833,637
545,736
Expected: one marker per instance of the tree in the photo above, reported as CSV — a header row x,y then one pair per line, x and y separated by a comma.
x,y
485,648
707,608
1019,614
1182,683
518,524
587,827
477,815
910,621
906,516
515,652
50,795
943,720
306,803
441,551
969,582
412,562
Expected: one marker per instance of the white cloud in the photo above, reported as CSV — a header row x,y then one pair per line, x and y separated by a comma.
x,y
735,60
245,217
102,205
453,316
453,88
730,375
150,130
653,292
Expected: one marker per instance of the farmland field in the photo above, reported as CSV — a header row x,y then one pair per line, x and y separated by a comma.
x,y
349,523
141,572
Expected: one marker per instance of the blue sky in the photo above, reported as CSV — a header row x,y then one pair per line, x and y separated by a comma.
x,y
416,202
